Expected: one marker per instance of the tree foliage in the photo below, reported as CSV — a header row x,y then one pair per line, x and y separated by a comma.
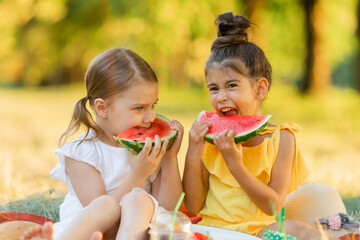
x,y
48,42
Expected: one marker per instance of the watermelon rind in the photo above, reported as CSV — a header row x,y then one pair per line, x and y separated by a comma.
x,y
241,137
136,146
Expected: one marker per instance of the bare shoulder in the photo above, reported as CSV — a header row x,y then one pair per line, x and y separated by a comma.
x,y
287,139
287,135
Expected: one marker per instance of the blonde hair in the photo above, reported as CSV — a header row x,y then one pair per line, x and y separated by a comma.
x,y
109,73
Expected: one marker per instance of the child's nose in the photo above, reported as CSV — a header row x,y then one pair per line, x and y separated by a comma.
x,y
222,96
149,116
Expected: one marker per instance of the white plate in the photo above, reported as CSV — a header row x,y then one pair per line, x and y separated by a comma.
x,y
221,233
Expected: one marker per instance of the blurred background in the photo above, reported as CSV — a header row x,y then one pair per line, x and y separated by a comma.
x,y
46,45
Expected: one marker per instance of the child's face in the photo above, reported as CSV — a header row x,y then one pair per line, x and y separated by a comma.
x,y
134,107
231,92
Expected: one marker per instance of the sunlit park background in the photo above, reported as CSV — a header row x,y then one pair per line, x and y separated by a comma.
x,y
46,45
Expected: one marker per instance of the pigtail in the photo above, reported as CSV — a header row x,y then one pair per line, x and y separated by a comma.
x,y
81,117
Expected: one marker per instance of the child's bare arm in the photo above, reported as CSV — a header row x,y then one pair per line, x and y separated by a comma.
x,y
196,177
88,183
195,183
264,196
282,169
141,166
85,179
167,187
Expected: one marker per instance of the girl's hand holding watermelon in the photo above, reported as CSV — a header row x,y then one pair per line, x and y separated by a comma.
x,y
149,159
196,139
231,152
175,147
170,133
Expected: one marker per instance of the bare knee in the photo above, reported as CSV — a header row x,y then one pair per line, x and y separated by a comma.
x,y
106,206
136,196
140,199
137,209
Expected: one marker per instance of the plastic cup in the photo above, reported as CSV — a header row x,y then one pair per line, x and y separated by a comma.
x,y
160,227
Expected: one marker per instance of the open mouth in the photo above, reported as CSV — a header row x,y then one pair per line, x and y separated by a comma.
x,y
228,111
147,125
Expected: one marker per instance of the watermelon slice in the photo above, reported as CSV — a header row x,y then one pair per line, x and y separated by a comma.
x,y
246,127
133,139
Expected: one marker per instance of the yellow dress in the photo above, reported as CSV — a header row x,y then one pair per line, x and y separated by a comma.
x,y
226,204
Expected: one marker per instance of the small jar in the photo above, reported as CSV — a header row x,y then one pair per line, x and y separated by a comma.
x,y
160,227
276,235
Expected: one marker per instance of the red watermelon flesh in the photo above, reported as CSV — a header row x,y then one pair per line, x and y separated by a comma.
x,y
134,138
158,127
200,236
245,127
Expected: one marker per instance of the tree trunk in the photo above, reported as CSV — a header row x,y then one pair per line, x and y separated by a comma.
x,y
256,11
317,72
357,79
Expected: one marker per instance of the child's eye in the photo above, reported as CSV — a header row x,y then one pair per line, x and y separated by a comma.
x,y
232,85
139,108
153,106
213,89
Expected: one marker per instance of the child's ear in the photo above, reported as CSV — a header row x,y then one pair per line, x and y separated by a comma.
x,y
100,107
262,87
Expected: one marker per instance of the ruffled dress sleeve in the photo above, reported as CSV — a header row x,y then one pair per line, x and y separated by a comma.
x,y
83,152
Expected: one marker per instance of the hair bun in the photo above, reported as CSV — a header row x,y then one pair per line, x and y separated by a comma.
x,y
234,26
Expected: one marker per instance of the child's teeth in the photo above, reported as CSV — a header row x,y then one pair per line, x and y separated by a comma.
x,y
225,110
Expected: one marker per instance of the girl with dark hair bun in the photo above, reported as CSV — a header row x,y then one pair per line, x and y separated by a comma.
x,y
239,187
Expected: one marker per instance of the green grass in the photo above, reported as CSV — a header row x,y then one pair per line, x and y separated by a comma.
x,y
38,204
33,119
353,206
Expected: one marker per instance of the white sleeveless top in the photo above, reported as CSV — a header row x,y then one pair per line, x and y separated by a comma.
x,y
111,162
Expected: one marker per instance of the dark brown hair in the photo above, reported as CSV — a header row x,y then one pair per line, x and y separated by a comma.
x,y
109,73
232,49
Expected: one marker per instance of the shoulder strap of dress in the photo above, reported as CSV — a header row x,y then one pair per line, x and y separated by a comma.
x,y
293,127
